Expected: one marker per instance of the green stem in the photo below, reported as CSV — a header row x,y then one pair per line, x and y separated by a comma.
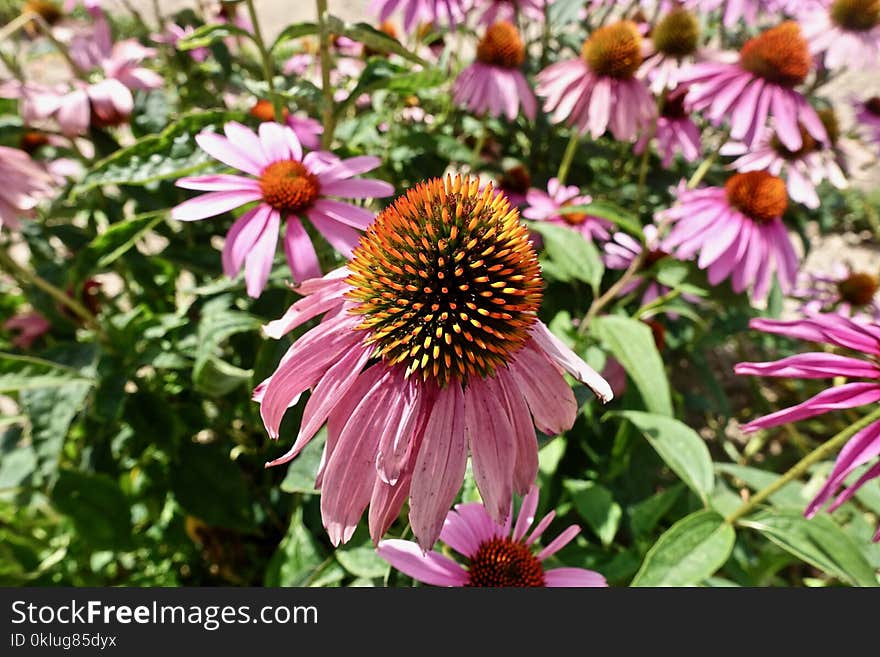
x,y
329,116
656,303
611,293
568,157
704,167
478,147
24,276
266,59
820,453
14,26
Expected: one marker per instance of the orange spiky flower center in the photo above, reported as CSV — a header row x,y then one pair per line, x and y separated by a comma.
x,y
501,46
502,562
447,281
856,15
288,186
614,50
264,111
779,55
859,288
873,105
677,34
759,195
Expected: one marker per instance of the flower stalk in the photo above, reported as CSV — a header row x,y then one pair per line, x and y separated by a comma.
x,y
266,60
327,113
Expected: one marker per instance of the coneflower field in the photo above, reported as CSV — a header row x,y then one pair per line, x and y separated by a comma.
x,y
440,293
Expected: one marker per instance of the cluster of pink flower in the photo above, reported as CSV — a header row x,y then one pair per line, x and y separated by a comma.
x,y
429,346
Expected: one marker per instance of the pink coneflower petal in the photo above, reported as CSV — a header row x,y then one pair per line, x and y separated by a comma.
x,y
340,236
861,448
871,473
570,362
218,183
213,203
395,441
276,141
347,168
305,309
440,466
459,533
345,213
847,395
358,188
301,256
540,528
347,484
525,468
258,262
242,237
493,451
559,542
247,141
814,365
573,577
428,567
224,150
526,514
550,400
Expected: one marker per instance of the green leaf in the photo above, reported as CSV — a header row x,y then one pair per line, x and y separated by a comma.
x,y
362,561
596,505
632,343
789,495
818,541
210,486
29,373
680,447
172,153
97,506
382,74
645,515
118,239
298,558
574,257
301,472
688,552
205,35
294,31
211,374
563,12
374,39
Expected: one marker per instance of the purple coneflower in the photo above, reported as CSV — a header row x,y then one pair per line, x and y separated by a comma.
x,y
25,184
286,185
868,116
495,83
803,169
675,133
761,84
846,31
546,206
837,331
449,12
737,231
510,10
306,129
430,344
600,89
673,42
493,555
844,290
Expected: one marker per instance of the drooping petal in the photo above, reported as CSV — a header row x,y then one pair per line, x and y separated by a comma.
x,y
571,362
440,466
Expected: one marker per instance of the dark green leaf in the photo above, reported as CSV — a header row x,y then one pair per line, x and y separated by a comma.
x,y
688,552
107,247
205,35
295,31
631,342
789,495
97,507
31,373
596,505
374,39
680,447
171,154
818,541
301,472
362,561
211,374
645,515
208,485
298,558
573,257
